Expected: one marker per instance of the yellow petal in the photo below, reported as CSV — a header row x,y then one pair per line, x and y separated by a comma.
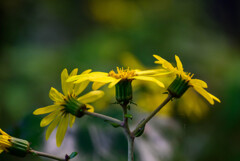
x,y
3,133
86,71
149,79
165,64
71,120
1,150
62,128
149,72
81,79
46,109
90,108
113,83
97,85
49,118
52,126
179,63
198,82
102,79
204,93
64,77
74,72
78,88
55,95
215,98
91,96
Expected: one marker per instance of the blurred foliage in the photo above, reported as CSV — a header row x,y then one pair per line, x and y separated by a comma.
x,y
40,38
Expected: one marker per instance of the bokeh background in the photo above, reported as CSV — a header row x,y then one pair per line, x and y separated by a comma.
x,y
41,38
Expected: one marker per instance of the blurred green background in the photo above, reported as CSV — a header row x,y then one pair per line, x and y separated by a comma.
x,y
41,38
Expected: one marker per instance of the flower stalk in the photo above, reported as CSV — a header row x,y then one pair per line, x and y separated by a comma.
x,y
46,155
143,123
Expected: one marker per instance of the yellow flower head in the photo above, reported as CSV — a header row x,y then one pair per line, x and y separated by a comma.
x,y
67,105
197,84
102,78
4,141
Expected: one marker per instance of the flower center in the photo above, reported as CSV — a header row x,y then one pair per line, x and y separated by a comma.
x,y
122,73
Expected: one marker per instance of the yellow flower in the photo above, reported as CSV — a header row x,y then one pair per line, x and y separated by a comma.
x,y
12,145
67,105
197,84
4,141
102,78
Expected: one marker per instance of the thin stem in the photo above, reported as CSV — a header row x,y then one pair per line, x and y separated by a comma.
x,y
142,124
47,155
129,135
104,117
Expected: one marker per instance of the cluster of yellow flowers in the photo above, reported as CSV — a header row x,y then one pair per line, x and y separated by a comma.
x,y
72,85
69,104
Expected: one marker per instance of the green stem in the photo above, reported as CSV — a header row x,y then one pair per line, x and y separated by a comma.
x,y
143,123
34,152
104,117
129,135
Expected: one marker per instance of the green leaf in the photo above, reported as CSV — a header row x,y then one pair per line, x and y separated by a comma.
x,y
128,116
112,123
73,155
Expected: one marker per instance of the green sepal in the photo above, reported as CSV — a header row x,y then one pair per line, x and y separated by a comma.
x,y
72,155
115,125
123,90
74,107
19,147
128,116
178,87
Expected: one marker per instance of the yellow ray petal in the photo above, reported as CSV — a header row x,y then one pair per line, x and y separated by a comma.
x,y
215,98
74,72
113,83
52,126
61,131
179,63
46,109
91,96
86,71
90,108
149,72
165,63
102,79
49,118
78,88
1,150
149,79
198,82
64,77
204,93
71,120
97,85
3,133
55,95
